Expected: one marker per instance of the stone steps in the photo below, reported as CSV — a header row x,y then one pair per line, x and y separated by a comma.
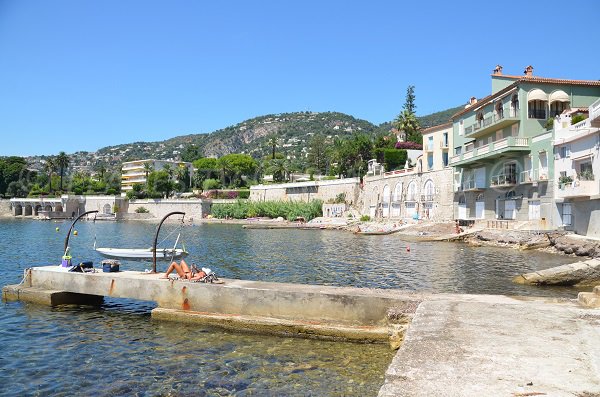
x,y
590,299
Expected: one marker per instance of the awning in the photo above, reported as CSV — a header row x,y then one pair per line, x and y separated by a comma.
x,y
537,95
583,157
559,96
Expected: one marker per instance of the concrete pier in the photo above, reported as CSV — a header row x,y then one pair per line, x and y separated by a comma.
x,y
582,274
292,309
454,345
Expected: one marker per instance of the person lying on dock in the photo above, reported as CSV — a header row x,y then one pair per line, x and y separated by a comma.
x,y
184,271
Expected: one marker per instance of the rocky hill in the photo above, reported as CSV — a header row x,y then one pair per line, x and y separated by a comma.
x,y
293,130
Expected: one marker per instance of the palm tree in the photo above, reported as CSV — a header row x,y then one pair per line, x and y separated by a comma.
x,y
50,167
272,141
62,161
280,169
168,169
148,168
101,168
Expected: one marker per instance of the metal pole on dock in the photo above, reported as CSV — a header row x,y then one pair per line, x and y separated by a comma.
x,y
156,237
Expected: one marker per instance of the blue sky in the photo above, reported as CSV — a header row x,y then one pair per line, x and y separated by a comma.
x,y
81,75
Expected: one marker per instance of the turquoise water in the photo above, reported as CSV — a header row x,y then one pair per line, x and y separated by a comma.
x,y
118,349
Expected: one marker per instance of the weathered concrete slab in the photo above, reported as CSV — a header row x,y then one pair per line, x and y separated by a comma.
x,y
475,347
590,299
48,297
269,325
584,273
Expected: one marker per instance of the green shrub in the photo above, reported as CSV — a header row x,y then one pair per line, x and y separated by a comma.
x,y
365,218
577,118
394,158
549,123
210,184
141,210
244,194
289,210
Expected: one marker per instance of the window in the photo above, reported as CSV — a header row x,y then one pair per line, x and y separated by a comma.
x,y
430,161
586,172
556,108
514,105
445,139
430,144
565,151
429,189
458,150
445,158
461,127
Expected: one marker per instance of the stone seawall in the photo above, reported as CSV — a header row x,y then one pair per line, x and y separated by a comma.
x,y
5,211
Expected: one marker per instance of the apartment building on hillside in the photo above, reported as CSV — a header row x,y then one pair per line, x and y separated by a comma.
x,y
136,172
503,147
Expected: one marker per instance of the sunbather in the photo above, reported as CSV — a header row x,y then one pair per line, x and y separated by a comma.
x,y
184,271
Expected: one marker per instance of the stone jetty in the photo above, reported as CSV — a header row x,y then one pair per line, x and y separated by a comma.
x,y
585,273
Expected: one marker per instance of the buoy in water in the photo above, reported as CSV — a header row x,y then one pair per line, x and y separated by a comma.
x,y
408,248
75,232
57,229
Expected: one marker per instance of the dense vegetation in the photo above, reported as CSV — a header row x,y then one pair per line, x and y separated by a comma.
x,y
289,210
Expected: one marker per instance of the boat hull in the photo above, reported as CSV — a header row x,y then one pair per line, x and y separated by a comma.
x,y
164,254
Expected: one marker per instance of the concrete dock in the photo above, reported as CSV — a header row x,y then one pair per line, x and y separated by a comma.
x,y
450,344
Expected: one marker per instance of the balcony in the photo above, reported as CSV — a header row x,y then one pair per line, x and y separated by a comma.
x,y
501,180
577,189
427,197
470,186
443,145
491,123
491,151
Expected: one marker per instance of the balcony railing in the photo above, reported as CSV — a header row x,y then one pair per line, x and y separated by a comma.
x,y
504,179
489,149
427,197
595,113
577,189
444,144
537,113
489,121
470,185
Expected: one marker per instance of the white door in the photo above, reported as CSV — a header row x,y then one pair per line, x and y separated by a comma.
x,y
566,214
509,209
534,210
479,207
462,211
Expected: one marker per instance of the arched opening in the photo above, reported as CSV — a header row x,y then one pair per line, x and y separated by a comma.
x,y
429,190
58,208
28,210
536,104
479,120
499,111
385,202
37,209
514,106
462,207
480,206
397,200
559,102
18,210
411,200
106,209
48,208
373,203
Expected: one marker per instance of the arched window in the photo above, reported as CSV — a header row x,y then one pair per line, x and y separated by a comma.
x,y
499,111
411,194
429,189
514,105
396,200
106,209
385,202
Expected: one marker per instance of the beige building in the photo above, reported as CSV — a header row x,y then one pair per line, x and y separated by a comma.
x,y
134,172
307,191
437,143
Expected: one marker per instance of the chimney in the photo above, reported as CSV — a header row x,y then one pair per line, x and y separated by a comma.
x,y
472,101
528,71
498,70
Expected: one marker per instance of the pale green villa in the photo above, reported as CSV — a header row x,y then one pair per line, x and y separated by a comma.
x,y
502,152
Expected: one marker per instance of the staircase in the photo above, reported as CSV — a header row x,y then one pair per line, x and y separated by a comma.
x,y
595,114
590,299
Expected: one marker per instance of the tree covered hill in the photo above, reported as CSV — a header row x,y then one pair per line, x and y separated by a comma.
x,y
291,130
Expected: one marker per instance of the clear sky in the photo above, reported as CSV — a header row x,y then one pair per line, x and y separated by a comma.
x,y
81,75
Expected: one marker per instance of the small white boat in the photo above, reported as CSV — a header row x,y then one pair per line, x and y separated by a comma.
x,y
140,254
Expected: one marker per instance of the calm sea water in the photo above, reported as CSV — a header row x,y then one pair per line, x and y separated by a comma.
x,y
118,349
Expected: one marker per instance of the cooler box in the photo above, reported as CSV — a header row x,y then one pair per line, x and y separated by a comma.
x,y
66,261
